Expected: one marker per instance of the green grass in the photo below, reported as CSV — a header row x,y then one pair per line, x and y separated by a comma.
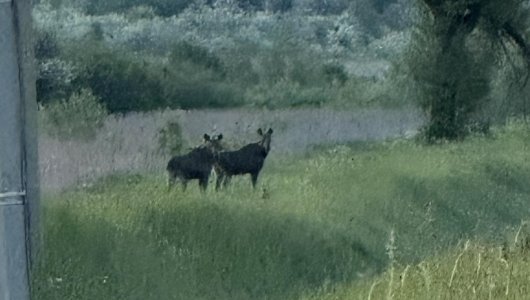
x,y
318,226
476,270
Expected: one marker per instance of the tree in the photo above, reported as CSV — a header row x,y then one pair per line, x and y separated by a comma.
x,y
453,53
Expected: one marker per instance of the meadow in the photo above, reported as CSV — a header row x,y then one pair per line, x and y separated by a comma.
x,y
369,220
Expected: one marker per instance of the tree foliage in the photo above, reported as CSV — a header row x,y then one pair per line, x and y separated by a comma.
x,y
453,54
217,53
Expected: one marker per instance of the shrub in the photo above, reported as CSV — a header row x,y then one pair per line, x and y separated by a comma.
x,y
54,75
288,94
46,45
170,139
193,78
185,52
250,4
335,74
279,5
196,78
78,117
288,63
54,80
121,83
195,93
323,7
140,12
161,7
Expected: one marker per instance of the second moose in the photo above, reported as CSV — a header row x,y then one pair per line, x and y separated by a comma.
x,y
247,160
197,164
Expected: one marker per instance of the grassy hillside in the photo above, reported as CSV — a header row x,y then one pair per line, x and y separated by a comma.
x,y
316,226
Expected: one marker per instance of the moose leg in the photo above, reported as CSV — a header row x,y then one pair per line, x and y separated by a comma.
x,y
220,177
184,184
254,178
203,183
226,180
170,181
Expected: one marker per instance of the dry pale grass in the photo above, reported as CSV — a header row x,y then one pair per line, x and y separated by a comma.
x,y
129,143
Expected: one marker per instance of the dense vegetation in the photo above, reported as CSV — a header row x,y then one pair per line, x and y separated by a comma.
x,y
355,211
464,62
142,56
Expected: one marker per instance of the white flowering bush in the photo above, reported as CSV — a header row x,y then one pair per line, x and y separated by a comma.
x,y
222,27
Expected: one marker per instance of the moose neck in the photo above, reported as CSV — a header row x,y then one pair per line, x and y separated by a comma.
x,y
265,144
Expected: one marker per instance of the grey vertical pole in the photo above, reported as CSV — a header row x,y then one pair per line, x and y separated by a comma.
x,y
18,181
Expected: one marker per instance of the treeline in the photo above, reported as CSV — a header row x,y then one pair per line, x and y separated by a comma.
x,y
172,64
167,8
190,77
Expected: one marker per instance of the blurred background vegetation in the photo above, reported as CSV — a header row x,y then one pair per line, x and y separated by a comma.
x,y
190,54
146,55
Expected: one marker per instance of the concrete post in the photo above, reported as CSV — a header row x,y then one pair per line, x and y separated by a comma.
x,y
18,158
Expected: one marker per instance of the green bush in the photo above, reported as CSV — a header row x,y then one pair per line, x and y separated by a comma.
x,y
55,80
188,94
54,75
251,4
288,63
198,56
193,78
121,83
79,117
288,94
279,5
170,139
335,74
324,7
161,7
196,78
46,45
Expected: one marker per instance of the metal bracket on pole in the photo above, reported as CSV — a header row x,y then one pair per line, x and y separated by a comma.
x,y
12,198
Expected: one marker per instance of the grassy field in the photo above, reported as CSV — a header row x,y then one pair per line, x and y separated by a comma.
x,y
368,221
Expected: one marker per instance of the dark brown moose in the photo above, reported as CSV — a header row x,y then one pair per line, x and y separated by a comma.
x,y
197,164
247,160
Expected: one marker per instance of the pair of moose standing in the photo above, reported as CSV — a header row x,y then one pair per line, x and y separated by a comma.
x,y
199,162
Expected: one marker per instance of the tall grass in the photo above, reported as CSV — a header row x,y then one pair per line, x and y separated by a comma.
x,y
320,225
477,270
128,238
132,142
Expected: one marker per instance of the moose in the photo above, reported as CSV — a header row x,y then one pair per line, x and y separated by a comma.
x,y
197,164
247,160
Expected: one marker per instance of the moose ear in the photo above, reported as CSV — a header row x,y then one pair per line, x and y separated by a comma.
x,y
219,137
270,131
260,132
206,137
